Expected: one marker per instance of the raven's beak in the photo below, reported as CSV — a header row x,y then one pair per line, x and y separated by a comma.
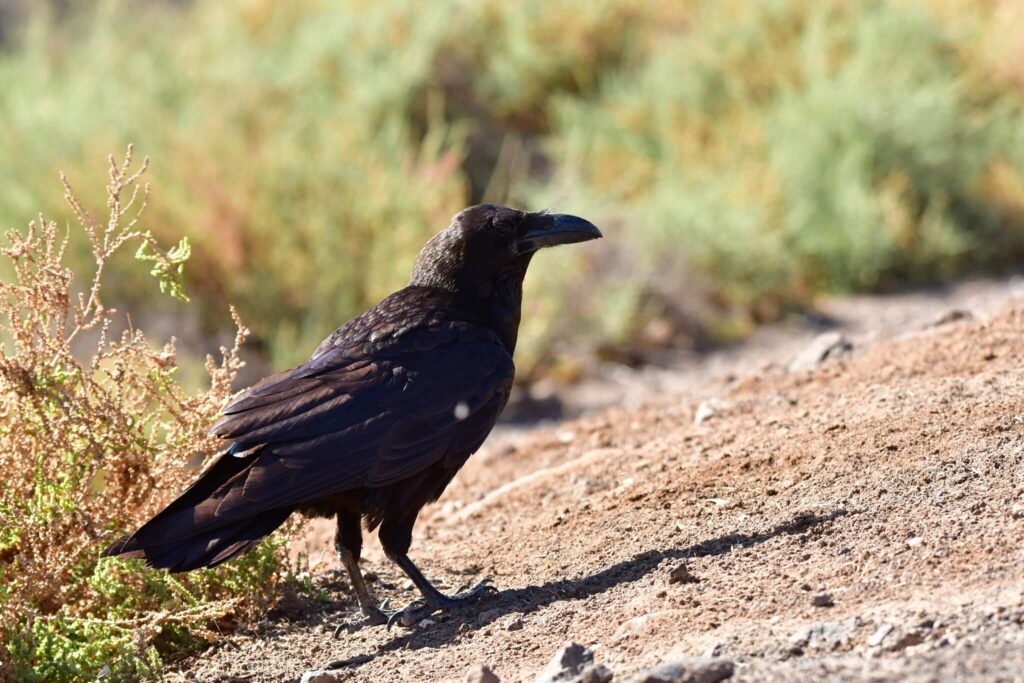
x,y
552,229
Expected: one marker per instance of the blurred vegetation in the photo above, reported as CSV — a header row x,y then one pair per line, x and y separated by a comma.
x,y
790,148
742,157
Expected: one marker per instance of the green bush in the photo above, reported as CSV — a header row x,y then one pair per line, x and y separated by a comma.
x,y
91,445
308,149
287,155
789,148
880,158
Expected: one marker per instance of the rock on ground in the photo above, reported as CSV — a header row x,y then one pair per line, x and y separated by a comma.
x,y
319,676
826,346
687,670
481,673
574,663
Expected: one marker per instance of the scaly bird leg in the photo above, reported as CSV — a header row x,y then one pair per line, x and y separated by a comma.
x,y
348,542
374,615
433,600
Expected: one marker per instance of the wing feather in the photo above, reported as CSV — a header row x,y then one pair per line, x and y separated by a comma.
x,y
430,396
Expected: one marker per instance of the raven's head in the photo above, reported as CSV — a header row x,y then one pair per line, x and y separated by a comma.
x,y
486,248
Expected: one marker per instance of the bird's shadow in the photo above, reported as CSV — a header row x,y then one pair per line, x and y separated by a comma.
x,y
532,598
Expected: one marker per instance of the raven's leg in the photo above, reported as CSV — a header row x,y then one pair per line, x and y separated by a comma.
x,y
396,537
348,541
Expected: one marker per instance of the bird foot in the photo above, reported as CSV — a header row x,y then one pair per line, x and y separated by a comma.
x,y
418,610
375,616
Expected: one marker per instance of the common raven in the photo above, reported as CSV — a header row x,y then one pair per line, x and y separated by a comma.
x,y
378,421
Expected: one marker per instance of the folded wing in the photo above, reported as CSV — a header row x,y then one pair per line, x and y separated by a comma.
x,y
343,420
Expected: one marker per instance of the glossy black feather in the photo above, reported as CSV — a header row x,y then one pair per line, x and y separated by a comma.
x,y
385,412
400,389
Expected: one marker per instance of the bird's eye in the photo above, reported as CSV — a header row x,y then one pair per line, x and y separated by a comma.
x,y
504,227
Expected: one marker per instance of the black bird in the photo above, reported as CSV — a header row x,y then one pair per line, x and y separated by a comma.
x,y
378,421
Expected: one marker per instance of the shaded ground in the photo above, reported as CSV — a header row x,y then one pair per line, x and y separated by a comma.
x,y
859,520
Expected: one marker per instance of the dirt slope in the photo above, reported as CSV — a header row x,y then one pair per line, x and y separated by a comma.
x,y
862,520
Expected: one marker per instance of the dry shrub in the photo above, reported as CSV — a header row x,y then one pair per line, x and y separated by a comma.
x,y
93,446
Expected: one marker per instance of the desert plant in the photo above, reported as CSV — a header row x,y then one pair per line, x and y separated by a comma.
x,y
94,438
790,148
309,148
294,172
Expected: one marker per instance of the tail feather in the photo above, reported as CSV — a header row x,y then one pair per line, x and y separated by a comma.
x,y
181,537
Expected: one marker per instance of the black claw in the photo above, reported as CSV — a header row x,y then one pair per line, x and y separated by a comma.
x,y
375,617
418,610
411,615
482,589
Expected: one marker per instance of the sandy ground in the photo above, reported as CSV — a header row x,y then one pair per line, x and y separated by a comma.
x,y
861,518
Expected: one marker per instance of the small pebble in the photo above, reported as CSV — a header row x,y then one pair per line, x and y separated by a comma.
x,y
822,600
907,640
481,673
681,574
318,676
515,625
879,635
